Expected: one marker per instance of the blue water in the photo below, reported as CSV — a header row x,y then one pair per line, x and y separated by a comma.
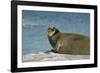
x,y
36,23
35,39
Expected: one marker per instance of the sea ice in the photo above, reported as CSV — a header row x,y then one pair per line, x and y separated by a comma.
x,y
52,57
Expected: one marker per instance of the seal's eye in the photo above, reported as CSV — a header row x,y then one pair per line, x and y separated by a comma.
x,y
54,27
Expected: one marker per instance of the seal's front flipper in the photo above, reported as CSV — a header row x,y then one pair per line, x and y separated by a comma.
x,y
53,51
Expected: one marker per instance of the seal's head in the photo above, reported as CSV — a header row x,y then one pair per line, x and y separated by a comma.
x,y
52,31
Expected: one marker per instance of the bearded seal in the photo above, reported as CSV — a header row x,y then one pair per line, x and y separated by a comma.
x,y
68,43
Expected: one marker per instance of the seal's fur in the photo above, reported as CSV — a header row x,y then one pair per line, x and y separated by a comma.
x,y
68,43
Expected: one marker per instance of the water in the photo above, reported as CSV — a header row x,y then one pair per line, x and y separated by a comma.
x,y
35,39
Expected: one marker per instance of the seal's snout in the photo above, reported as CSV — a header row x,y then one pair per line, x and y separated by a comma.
x,y
51,31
